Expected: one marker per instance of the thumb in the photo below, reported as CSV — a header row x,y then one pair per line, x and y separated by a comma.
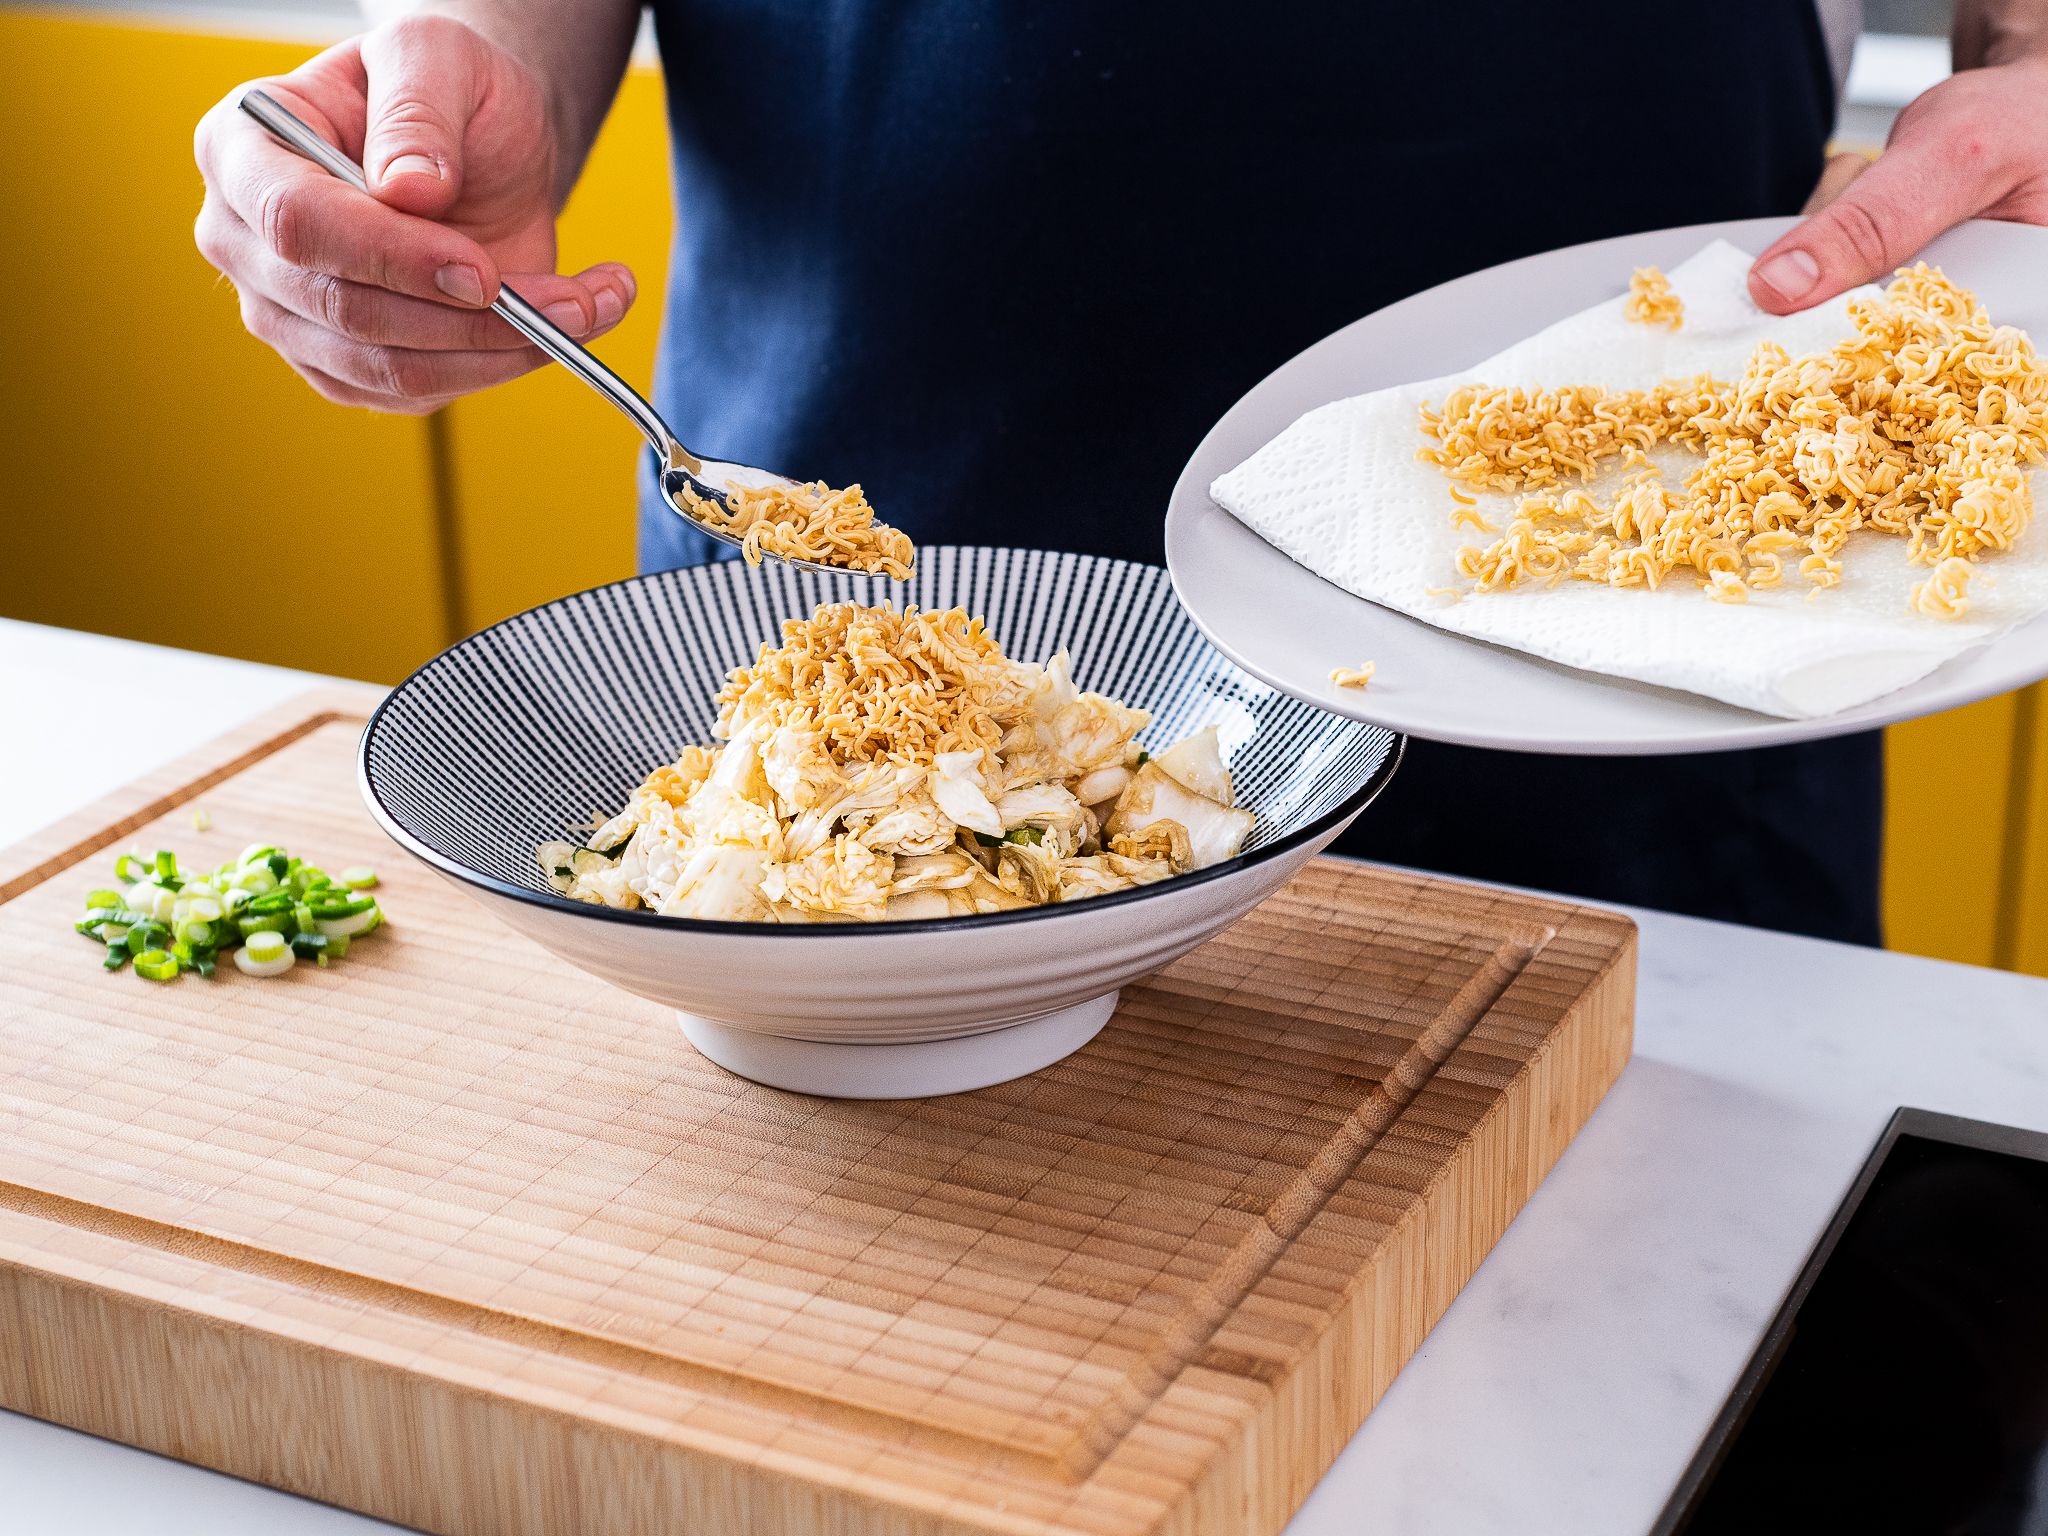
x,y
1906,198
424,82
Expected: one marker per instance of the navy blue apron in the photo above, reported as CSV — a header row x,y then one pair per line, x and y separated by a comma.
x,y
938,246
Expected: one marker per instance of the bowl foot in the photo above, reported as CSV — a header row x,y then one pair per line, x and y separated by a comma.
x,y
919,1070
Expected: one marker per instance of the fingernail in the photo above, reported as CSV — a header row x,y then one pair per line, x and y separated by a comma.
x,y
609,307
460,281
413,165
1789,274
566,314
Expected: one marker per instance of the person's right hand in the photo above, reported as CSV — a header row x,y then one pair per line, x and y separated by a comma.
x,y
382,300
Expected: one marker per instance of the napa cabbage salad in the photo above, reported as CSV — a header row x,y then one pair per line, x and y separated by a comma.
x,y
880,764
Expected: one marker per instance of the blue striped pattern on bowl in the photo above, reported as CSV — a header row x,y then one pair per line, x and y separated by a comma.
x,y
551,718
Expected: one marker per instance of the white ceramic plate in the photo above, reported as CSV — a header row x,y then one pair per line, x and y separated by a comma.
x,y
1286,625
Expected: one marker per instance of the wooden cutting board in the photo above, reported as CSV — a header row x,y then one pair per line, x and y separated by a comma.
x,y
453,1235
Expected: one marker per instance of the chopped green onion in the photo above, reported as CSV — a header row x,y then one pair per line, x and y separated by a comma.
x,y
1144,757
265,946
268,909
271,967
351,925
986,841
349,908
151,900
1031,835
157,965
200,819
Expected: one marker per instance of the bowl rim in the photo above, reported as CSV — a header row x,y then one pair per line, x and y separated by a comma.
x,y
366,785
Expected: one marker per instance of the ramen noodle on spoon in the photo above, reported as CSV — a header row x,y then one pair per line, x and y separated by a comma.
x,y
810,522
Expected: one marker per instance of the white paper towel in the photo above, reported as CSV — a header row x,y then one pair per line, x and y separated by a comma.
x,y
1341,492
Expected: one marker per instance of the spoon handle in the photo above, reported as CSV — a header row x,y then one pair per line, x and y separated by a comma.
x,y
286,126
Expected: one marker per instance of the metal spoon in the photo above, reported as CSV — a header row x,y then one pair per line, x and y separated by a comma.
x,y
712,479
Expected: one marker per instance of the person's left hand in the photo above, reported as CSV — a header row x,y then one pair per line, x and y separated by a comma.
x,y
1975,145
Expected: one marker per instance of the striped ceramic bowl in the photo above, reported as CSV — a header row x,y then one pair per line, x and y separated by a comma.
x,y
538,723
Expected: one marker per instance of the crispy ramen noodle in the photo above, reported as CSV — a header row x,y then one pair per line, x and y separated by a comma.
x,y
1353,677
1946,593
885,764
1924,425
873,682
810,522
1651,301
1495,439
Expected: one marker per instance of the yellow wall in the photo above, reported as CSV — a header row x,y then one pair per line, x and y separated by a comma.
x,y
168,477
236,512
1963,791
2024,913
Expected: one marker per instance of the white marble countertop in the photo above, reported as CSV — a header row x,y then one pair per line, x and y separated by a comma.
x,y
1566,1388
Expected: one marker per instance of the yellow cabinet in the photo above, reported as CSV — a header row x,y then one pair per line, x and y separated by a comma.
x,y
238,512
2023,914
1962,791
167,477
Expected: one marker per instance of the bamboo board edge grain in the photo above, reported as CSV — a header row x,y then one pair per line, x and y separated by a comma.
x,y
1295,1439
243,1371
